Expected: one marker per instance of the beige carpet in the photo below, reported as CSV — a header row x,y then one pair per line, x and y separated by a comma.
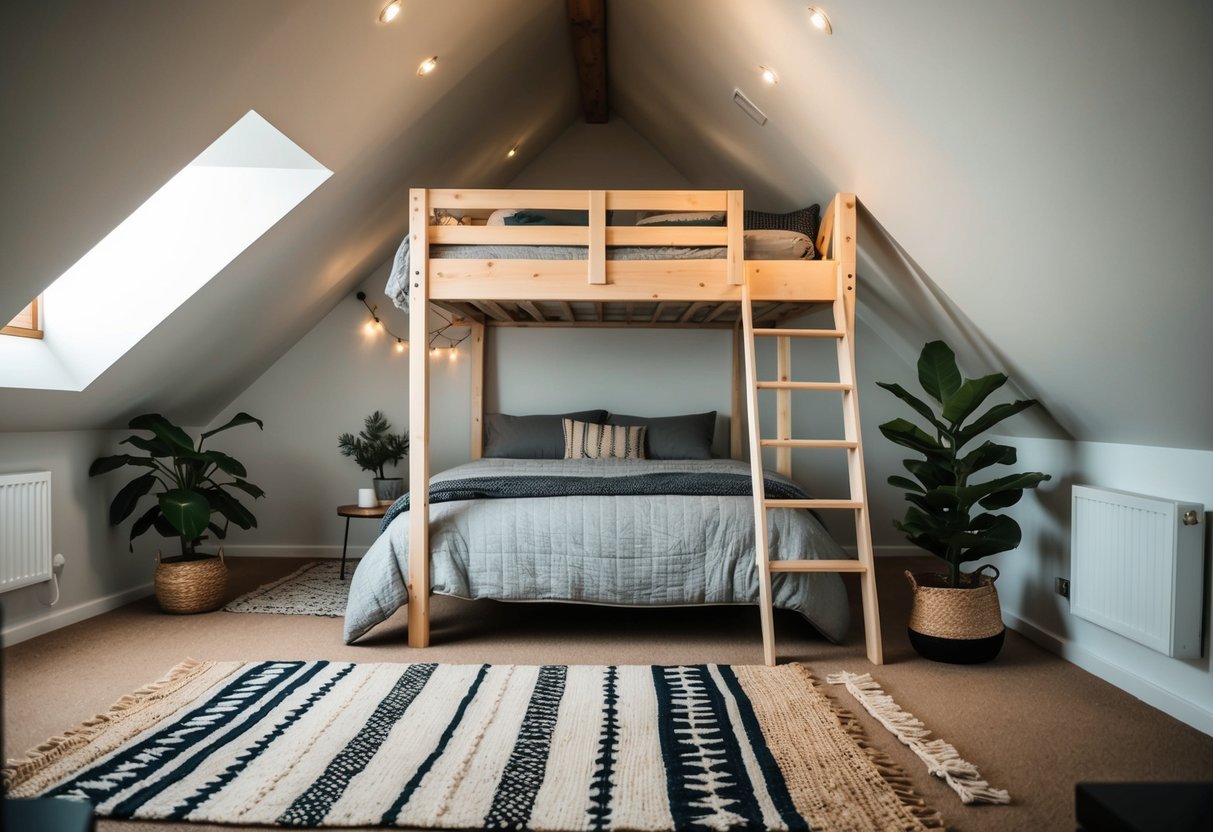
x,y
1032,723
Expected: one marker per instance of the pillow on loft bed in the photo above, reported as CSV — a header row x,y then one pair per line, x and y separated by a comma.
x,y
688,218
530,437
673,437
806,221
536,216
586,440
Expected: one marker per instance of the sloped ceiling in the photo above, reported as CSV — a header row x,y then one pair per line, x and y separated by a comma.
x,y
1035,178
103,102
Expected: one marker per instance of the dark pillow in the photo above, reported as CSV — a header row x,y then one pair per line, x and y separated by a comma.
x,y
531,437
533,217
806,221
674,437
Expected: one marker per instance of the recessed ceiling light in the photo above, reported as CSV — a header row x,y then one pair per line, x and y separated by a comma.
x,y
390,12
820,20
427,66
768,75
512,152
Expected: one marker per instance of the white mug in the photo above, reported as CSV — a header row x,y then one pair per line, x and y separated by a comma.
x,y
366,498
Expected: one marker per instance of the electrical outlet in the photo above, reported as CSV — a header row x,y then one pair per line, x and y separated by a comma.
x,y
1062,586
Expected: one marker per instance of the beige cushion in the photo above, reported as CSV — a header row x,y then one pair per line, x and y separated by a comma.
x,y
586,440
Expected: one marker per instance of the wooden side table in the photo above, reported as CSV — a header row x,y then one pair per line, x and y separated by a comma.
x,y
347,512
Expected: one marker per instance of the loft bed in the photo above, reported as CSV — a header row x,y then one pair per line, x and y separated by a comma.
x,y
608,271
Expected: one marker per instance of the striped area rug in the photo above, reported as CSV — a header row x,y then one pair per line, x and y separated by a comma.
x,y
309,744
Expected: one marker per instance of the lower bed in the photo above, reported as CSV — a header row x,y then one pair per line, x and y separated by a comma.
x,y
641,533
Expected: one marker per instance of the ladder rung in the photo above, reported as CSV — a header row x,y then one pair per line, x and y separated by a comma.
x,y
801,333
812,503
808,443
817,566
802,385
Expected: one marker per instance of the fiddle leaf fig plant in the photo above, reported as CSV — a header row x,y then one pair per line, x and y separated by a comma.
x,y
189,483
945,492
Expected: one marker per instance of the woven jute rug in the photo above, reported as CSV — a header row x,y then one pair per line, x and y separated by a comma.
x,y
312,589
477,746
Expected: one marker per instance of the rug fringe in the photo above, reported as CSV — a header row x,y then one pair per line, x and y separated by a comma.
x,y
19,769
941,758
893,774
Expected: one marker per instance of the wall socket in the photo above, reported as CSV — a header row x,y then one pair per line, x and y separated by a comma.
x,y
1062,587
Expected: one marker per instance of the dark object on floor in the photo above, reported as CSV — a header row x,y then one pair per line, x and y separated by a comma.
x,y
47,815
957,650
1144,807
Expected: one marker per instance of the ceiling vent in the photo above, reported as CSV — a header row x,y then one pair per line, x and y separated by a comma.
x,y
747,106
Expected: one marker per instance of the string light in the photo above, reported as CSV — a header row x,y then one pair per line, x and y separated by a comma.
x,y
390,12
376,325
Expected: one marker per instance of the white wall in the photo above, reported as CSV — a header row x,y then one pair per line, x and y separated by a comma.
x,y
100,574
327,384
1181,687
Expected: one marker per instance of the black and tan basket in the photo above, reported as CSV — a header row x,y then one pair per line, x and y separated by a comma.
x,y
191,586
958,625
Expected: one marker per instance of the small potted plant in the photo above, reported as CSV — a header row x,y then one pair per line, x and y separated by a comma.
x,y
956,617
374,447
193,486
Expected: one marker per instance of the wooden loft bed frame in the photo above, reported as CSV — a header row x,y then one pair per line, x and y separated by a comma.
x,y
750,297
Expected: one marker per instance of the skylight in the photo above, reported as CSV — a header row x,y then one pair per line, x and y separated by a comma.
x,y
170,247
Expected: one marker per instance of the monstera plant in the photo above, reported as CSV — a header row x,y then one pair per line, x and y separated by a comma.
x,y
952,511
191,484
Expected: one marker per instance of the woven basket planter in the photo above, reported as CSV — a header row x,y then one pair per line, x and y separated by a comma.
x,y
960,626
191,586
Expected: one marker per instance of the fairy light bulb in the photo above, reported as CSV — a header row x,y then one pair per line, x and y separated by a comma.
x,y
769,75
428,65
452,353
399,345
390,12
820,20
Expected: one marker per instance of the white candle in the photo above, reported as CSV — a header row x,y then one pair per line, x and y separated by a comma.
x,y
366,498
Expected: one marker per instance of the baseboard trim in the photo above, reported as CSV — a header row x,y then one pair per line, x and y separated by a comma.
x,y
73,615
1186,712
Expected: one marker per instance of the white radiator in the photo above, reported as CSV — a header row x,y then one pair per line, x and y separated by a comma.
x,y
1137,567
25,529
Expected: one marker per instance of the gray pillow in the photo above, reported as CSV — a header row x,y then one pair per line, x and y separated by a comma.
x,y
531,437
674,437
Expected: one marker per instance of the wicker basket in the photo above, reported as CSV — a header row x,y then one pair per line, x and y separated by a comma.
x,y
963,625
191,586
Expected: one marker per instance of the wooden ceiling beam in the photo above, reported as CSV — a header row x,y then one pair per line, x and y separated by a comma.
x,y
587,23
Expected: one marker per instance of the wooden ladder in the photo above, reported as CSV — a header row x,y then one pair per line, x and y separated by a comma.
x,y
843,246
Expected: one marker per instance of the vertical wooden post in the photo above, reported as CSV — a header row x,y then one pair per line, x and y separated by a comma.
x,y
597,241
479,331
736,237
844,250
736,417
419,421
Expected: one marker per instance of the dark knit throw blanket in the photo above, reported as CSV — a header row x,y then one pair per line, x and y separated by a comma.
x,y
682,483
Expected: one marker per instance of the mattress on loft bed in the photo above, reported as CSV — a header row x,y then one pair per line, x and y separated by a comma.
x,y
633,549
759,245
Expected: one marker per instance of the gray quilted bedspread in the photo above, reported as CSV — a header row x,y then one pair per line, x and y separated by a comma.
x,y
628,550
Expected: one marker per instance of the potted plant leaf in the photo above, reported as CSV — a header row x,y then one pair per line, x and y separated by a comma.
x,y
374,447
956,617
191,486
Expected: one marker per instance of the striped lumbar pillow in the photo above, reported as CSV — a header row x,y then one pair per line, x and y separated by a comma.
x,y
585,440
